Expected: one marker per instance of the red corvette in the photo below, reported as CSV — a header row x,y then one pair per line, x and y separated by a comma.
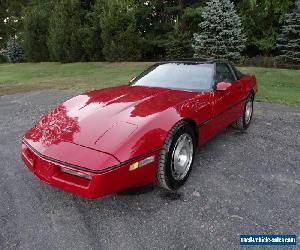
x,y
108,140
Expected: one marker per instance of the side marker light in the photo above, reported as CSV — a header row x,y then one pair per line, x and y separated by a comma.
x,y
141,163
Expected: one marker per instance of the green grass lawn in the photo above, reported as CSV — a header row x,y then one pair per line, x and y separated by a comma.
x,y
275,85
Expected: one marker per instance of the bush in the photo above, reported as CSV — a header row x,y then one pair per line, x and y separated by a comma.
x,y
14,51
3,58
266,62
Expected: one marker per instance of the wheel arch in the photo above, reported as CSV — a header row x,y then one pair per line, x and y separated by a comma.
x,y
194,126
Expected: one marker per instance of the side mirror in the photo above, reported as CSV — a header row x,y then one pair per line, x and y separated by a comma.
x,y
223,86
132,79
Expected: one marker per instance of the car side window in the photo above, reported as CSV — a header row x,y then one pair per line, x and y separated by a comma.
x,y
224,73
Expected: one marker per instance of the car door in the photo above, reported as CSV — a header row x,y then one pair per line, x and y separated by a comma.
x,y
227,105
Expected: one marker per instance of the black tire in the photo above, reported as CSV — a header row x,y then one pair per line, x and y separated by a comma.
x,y
242,123
165,177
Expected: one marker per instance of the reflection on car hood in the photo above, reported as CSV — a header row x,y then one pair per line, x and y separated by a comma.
x,y
104,119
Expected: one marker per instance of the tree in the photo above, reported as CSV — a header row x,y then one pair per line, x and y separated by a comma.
x,y
191,17
289,40
35,31
155,20
74,31
120,37
220,32
91,32
10,19
65,37
261,20
179,43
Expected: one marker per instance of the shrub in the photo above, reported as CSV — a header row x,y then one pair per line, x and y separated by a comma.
x,y
3,58
266,62
14,51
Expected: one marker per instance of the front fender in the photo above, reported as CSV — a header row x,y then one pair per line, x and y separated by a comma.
x,y
152,132
148,136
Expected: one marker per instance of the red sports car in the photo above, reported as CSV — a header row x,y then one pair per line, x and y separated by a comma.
x,y
108,140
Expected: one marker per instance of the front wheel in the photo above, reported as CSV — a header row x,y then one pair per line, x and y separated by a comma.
x,y
245,119
176,157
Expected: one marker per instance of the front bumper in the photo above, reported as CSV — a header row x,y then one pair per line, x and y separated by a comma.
x,y
97,184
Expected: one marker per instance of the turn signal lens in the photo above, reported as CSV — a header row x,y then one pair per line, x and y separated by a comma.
x,y
141,163
133,166
72,172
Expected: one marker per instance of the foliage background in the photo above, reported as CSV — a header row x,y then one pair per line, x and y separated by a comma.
x,y
127,30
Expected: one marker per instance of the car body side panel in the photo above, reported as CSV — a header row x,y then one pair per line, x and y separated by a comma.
x,y
249,82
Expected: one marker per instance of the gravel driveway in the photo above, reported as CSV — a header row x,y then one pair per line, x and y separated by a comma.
x,y
241,183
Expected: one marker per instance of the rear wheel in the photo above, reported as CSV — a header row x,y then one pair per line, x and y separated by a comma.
x,y
245,119
176,157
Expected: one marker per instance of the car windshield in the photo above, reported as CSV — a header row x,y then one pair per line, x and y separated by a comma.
x,y
185,76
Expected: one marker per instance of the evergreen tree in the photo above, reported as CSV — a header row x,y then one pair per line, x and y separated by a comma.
x,y
220,32
155,20
191,18
179,40
65,33
91,32
35,31
179,43
261,20
289,40
91,38
118,25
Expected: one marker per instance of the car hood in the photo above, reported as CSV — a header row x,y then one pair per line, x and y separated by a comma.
x,y
104,120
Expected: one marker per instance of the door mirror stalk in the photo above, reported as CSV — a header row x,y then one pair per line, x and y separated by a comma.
x,y
132,79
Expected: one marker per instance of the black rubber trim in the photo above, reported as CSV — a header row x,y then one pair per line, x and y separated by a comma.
x,y
86,169
221,113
